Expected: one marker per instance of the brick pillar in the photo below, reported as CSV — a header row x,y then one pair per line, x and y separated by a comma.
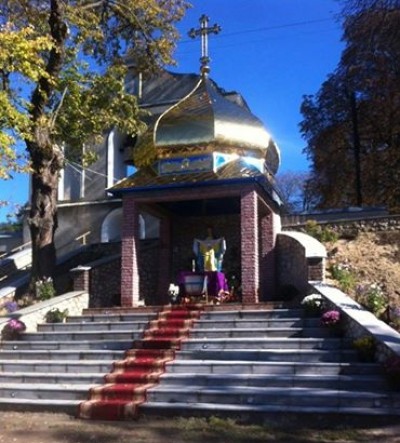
x,y
268,256
130,251
81,278
249,230
164,267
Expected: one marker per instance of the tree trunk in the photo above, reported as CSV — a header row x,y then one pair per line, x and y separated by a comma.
x,y
46,158
43,213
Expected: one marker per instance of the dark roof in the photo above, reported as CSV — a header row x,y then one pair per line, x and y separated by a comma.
x,y
166,88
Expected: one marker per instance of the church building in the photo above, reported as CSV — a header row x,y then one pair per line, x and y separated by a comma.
x,y
201,175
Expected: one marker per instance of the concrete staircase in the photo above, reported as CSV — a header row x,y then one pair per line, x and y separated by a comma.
x,y
235,361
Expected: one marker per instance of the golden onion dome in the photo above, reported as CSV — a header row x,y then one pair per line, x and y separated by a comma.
x,y
205,120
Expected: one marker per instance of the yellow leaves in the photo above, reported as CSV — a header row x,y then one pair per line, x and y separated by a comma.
x,y
21,50
11,118
10,160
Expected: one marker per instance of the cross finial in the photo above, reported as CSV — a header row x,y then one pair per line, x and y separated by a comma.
x,y
203,31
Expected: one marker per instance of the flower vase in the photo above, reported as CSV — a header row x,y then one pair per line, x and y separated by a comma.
x,y
336,330
312,311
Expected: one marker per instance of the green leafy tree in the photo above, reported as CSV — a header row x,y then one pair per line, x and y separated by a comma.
x,y
352,125
62,77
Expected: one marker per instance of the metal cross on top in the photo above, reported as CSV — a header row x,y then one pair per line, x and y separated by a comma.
x,y
203,32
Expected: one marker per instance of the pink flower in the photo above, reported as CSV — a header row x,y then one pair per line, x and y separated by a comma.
x,y
330,318
16,325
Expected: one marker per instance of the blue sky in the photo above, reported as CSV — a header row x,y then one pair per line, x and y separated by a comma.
x,y
271,51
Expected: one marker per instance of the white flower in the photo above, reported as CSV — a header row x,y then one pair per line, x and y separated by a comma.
x,y
312,300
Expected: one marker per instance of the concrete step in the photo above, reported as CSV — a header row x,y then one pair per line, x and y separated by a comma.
x,y
252,314
347,382
271,367
40,405
43,391
108,355
67,344
257,355
93,326
65,366
264,343
54,378
199,324
82,335
112,317
296,322
263,332
205,315
243,395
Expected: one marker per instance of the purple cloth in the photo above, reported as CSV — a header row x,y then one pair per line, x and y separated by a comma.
x,y
216,281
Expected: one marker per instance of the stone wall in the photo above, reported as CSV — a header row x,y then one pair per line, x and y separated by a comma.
x,y
102,277
86,254
75,302
301,259
292,267
352,227
358,322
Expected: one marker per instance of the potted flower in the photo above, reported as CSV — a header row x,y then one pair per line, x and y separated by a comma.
x,y
332,320
365,347
312,304
13,329
55,315
392,371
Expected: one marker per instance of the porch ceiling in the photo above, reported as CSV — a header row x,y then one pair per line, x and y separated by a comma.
x,y
205,207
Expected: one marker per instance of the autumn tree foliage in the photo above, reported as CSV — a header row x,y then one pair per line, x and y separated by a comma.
x,y
352,125
62,84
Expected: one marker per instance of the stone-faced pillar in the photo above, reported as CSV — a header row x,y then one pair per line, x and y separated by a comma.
x,y
249,229
164,261
130,253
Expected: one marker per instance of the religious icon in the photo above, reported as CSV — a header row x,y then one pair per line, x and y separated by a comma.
x,y
209,252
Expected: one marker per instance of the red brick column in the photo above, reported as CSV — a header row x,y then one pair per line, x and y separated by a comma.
x,y
249,229
164,270
130,251
267,262
81,278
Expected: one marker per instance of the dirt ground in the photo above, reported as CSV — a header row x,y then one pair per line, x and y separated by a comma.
x,y
373,258
19,427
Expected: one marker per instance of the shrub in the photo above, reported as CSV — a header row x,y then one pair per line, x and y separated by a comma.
x,y
45,289
322,234
365,347
345,278
372,298
55,315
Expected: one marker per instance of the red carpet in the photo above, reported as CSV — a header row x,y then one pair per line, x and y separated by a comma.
x,y
126,386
